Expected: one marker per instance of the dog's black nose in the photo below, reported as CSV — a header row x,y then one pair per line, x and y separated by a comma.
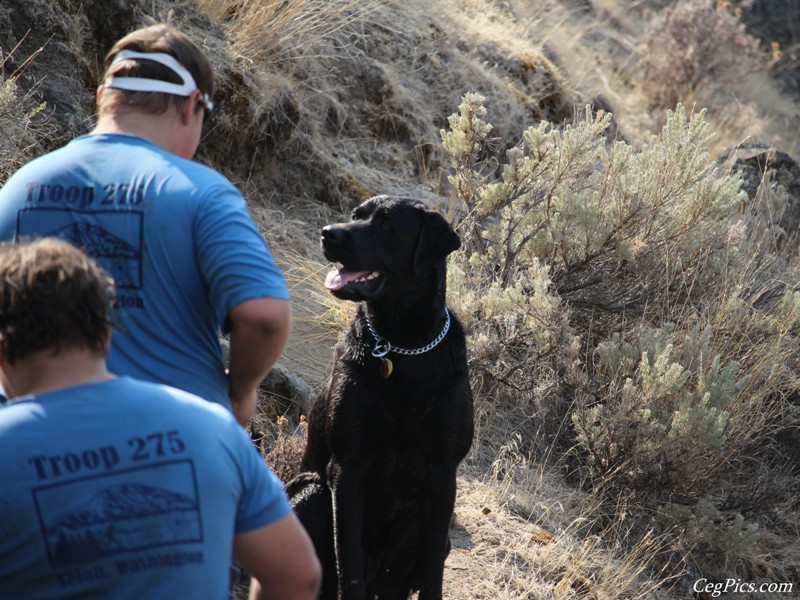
x,y
332,233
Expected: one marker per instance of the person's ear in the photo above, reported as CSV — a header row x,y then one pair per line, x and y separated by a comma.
x,y
189,107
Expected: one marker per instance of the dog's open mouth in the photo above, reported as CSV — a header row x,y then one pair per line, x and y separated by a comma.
x,y
363,284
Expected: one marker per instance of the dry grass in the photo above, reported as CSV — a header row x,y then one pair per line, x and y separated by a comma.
x,y
535,537
273,30
23,121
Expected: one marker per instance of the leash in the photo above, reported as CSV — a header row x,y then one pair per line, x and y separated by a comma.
x,y
383,346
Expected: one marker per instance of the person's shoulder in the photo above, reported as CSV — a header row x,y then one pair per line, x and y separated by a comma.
x,y
207,174
211,189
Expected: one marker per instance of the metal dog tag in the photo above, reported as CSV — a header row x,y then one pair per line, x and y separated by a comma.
x,y
386,367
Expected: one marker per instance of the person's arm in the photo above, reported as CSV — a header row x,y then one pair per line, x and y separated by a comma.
x,y
281,561
259,330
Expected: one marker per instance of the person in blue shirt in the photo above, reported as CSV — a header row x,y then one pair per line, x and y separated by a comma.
x,y
116,488
188,261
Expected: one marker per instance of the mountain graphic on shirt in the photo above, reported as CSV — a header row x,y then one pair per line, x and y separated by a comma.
x,y
100,242
123,518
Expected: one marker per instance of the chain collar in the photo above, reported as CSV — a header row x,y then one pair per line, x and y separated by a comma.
x,y
382,346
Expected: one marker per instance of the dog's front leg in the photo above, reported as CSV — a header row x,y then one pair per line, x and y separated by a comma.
x,y
347,527
435,536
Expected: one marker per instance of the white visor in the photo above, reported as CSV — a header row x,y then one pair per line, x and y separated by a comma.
x,y
143,84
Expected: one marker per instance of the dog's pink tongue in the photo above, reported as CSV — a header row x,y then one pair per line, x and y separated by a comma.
x,y
336,280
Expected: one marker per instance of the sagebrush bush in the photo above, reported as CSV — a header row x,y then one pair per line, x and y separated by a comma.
x,y
572,222
586,210
630,303
664,421
695,43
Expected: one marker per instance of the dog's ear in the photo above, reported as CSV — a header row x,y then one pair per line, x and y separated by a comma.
x,y
436,240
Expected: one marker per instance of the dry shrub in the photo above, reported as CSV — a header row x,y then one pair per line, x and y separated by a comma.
x,y
696,43
619,299
568,221
285,453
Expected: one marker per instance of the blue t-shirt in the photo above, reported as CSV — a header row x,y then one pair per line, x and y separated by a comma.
x,y
127,490
175,235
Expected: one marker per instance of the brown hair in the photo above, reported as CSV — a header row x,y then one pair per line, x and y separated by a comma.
x,y
156,38
51,296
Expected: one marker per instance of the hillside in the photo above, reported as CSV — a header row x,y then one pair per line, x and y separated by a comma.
x,y
324,103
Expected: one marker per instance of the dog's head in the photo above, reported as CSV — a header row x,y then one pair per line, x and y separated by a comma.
x,y
390,243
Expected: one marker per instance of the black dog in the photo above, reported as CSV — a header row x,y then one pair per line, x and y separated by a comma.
x,y
387,433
